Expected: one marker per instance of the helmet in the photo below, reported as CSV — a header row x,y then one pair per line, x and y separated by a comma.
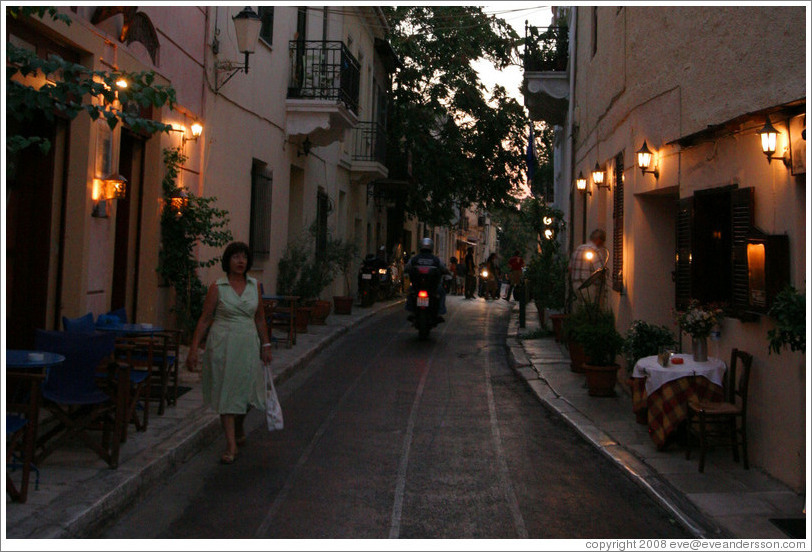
x,y
426,244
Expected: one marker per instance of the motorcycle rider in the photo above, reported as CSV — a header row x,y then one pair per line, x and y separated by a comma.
x,y
426,257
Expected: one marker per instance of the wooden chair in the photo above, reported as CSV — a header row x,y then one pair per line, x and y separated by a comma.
x,y
22,413
282,317
136,353
722,418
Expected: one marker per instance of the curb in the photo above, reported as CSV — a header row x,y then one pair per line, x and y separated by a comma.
x,y
688,515
75,518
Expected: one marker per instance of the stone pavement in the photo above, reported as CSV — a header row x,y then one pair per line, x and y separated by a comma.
x,y
726,501
78,493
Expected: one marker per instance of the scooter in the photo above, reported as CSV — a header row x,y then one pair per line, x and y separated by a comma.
x,y
369,279
424,297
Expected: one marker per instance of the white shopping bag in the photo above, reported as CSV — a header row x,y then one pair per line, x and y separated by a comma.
x,y
273,409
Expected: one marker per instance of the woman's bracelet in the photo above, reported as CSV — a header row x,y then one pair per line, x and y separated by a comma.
x,y
266,344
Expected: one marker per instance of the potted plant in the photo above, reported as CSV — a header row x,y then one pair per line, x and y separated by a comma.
x,y
698,321
644,339
583,317
789,313
601,343
344,255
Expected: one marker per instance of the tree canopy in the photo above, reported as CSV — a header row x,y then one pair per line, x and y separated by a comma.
x,y
467,145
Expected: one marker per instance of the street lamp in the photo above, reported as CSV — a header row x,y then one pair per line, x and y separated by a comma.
x,y
644,160
247,25
598,176
769,142
580,183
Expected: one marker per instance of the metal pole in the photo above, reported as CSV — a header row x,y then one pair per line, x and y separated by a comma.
x,y
523,304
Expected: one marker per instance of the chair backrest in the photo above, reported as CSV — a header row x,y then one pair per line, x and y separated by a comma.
x,y
738,381
121,314
82,324
83,353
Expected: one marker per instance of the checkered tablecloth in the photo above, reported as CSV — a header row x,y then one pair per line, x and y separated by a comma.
x,y
668,405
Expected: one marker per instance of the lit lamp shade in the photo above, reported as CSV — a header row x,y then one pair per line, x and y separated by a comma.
x,y
769,137
247,25
548,234
115,186
197,129
580,182
547,221
597,174
644,156
179,199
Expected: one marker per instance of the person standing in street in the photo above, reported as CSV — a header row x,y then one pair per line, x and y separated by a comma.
x,y
516,263
470,274
237,346
585,261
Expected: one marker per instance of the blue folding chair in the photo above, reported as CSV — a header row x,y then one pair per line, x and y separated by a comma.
x,y
72,394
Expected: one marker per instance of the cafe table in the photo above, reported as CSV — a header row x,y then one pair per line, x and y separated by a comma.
x,y
25,360
664,391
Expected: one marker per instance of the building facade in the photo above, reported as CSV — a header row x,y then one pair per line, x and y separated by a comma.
x,y
695,85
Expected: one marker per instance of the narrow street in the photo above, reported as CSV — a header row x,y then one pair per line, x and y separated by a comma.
x,y
387,436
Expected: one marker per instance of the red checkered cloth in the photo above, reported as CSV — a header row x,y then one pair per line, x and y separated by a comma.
x,y
668,406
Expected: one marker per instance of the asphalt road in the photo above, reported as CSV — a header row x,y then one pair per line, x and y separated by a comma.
x,y
390,437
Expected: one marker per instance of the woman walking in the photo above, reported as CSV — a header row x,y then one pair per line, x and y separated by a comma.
x,y
233,377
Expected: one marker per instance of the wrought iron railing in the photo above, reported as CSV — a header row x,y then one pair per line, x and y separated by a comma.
x,y
324,70
369,142
545,48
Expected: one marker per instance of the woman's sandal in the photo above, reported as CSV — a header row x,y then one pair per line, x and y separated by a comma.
x,y
228,458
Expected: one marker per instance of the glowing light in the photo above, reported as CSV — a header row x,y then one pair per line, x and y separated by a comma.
x,y
547,221
423,294
548,234
197,129
484,273
121,83
589,255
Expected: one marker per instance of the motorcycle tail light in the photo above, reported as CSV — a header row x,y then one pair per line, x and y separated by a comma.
x,y
381,271
422,294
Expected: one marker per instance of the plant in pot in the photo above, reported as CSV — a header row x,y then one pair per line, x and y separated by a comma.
x,y
303,275
344,255
789,312
644,339
583,317
601,343
698,321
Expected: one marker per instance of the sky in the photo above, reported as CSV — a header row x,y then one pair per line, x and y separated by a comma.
x,y
515,13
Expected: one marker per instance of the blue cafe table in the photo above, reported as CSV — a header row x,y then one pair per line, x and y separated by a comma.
x,y
25,360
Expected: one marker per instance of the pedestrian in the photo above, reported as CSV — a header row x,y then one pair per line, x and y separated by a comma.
x,y
585,261
237,346
470,274
452,268
516,264
494,277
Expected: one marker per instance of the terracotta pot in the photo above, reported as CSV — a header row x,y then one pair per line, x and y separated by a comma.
x,y
302,318
343,304
601,379
558,326
577,357
321,310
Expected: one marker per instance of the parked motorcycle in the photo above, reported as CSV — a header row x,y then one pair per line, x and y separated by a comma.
x,y
369,278
485,278
423,293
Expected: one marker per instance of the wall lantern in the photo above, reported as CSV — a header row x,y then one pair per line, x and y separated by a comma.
x,y
197,130
580,183
644,160
769,141
178,200
598,176
247,25
547,221
548,233
112,186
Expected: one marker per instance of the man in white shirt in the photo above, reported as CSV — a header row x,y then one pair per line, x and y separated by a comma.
x,y
586,259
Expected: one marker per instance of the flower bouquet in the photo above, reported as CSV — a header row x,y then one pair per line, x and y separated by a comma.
x,y
698,321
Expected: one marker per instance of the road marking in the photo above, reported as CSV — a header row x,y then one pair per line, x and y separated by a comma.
x,y
283,494
400,487
504,473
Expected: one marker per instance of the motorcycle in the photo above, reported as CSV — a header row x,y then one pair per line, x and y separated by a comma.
x,y
424,297
369,278
485,278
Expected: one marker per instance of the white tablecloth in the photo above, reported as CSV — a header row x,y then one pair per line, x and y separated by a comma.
x,y
656,375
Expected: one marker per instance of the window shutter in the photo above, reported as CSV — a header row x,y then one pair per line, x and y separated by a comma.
x,y
682,280
261,189
617,238
741,220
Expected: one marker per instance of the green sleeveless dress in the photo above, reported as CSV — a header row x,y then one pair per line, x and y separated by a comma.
x,y
233,376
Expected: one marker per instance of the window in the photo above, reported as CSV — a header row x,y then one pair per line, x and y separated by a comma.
x,y
617,236
711,257
261,190
266,31
322,212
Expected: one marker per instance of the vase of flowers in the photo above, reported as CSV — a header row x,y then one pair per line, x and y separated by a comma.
x,y
698,321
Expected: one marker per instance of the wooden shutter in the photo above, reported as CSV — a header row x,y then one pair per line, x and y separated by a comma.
x,y
741,220
682,280
617,216
261,190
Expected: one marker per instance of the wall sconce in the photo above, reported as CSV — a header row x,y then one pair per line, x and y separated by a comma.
x,y
598,176
580,184
769,141
547,221
247,25
644,160
197,130
112,186
178,200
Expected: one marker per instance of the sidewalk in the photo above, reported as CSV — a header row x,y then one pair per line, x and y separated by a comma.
x,y
726,501
78,493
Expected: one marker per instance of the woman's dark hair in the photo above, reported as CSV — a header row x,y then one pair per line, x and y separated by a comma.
x,y
234,248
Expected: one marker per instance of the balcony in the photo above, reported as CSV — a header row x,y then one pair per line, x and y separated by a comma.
x,y
368,151
323,90
546,79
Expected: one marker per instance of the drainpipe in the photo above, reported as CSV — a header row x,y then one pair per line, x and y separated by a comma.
x,y
573,26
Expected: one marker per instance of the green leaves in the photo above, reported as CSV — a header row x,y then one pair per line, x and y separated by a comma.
x,y
789,312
